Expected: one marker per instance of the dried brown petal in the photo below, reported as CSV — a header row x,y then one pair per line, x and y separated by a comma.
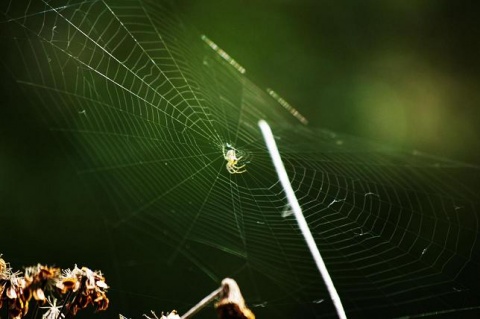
x,y
68,284
3,269
48,272
103,304
102,284
11,293
39,295
83,301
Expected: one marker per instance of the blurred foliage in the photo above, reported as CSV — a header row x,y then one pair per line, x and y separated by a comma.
x,y
400,72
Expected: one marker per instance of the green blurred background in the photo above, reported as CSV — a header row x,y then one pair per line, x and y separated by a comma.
x,y
401,72
404,73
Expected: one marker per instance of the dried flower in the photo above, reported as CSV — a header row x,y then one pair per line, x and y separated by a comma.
x,y
69,280
49,285
41,279
92,291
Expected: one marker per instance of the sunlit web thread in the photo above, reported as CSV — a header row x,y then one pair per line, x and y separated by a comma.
x,y
223,54
288,107
132,67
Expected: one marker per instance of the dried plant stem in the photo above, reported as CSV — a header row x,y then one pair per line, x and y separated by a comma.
x,y
205,301
64,306
297,211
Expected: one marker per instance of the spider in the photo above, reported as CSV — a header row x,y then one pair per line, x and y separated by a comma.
x,y
232,161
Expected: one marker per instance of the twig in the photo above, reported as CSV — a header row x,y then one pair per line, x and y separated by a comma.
x,y
297,211
64,306
205,301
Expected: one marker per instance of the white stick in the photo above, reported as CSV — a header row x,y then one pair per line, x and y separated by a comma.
x,y
205,301
302,223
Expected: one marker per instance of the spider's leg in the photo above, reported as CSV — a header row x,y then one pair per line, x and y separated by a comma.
x,y
238,169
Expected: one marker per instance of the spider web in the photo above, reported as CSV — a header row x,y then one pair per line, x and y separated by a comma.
x,y
149,107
